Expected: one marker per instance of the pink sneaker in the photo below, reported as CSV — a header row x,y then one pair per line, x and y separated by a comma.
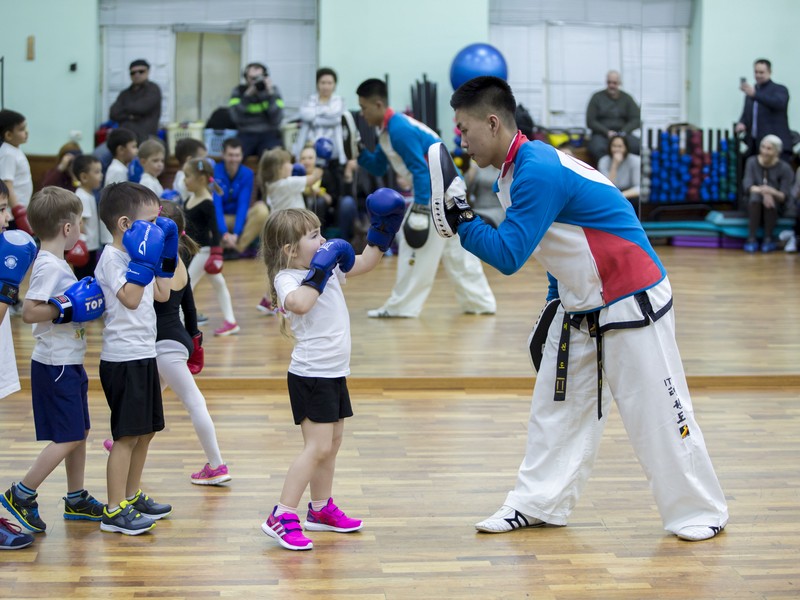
x,y
107,445
331,518
265,307
286,529
227,329
209,476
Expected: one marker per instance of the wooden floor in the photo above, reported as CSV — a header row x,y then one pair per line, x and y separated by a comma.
x,y
441,408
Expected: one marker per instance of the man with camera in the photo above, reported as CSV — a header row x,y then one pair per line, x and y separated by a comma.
x,y
256,107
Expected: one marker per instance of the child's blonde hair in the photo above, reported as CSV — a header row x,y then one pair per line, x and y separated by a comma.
x,y
150,148
203,167
50,208
269,167
284,228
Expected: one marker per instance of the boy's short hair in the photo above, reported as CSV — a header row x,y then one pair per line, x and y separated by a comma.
x,y
119,137
186,148
50,208
487,94
150,148
8,120
373,88
123,200
83,163
231,143
3,189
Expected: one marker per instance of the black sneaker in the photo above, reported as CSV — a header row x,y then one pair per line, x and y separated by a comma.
x,y
149,507
125,520
86,509
12,536
25,511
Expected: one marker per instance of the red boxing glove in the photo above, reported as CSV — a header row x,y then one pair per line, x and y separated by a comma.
x,y
21,218
198,357
79,255
214,263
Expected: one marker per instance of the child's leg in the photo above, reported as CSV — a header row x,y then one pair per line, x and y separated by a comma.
x,y
197,266
317,449
321,483
118,469
48,460
75,464
138,458
223,297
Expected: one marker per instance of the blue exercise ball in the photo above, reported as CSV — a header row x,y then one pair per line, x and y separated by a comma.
x,y
476,60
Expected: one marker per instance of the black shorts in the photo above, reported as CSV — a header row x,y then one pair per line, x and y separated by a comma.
x,y
133,393
319,399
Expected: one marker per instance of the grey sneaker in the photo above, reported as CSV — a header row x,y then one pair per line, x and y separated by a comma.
x,y
149,507
126,520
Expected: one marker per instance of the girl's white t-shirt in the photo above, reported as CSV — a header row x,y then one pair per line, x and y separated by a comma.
x,y
322,335
65,343
128,334
287,193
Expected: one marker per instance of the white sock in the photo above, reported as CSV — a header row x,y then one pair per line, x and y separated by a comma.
x,y
318,505
282,508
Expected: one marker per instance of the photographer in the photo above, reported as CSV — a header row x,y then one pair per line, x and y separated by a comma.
x,y
257,109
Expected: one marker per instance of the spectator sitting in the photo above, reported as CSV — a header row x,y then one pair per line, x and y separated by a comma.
x,y
151,156
257,109
612,112
622,168
62,174
767,185
239,223
138,107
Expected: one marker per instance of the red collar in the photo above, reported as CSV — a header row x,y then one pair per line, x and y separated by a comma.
x,y
518,140
386,116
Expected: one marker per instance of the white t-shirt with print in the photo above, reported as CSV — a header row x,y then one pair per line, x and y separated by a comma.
x,y
287,193
14,167
92,219
322,335
65,343
9,377
128,334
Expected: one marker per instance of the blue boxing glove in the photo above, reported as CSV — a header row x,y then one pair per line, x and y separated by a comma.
x,y
386,209
330,254
144,241
83,301
324,149
17,251
169,255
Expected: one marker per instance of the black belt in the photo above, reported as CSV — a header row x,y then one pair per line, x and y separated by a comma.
x,y
596,331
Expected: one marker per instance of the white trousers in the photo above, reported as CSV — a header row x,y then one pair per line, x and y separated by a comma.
x,y
197,272
416,271
644,374
171,357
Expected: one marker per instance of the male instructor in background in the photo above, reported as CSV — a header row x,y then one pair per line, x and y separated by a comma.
x,y
612,112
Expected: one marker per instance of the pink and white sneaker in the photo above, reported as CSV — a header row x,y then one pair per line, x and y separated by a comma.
x,y
209,476
286,530
331,518
227,328
265,307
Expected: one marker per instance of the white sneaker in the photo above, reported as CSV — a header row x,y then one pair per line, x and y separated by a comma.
x,y
507,519
698,533
791,241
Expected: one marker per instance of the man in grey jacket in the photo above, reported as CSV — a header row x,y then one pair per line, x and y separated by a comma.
x,y
612,112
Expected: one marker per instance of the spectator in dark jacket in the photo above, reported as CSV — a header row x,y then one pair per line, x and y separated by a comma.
x,y
257,109
612,112
138,107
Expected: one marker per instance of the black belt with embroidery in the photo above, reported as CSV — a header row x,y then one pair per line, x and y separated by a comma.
x,y
595,331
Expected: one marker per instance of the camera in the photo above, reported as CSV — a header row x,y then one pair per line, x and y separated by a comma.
x,y
260,83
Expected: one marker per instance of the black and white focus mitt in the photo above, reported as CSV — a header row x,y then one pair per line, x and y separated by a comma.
x,y
449,207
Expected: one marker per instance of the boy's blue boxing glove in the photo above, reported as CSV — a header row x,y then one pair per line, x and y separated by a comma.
x,y
144,241
83,301
17,251
330,254
169,255
386,209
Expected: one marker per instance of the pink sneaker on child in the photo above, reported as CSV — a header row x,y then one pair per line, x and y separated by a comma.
x,y
331,518
227,328
286,529
265,307
209,476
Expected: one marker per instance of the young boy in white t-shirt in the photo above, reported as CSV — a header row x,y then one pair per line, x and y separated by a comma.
x,y
22,248
132,271
151,156
15,170
88,171
123,147
58,306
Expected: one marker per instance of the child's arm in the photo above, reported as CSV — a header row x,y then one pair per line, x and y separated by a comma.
x,y
38,311
366,261
162,289
130,295
301,300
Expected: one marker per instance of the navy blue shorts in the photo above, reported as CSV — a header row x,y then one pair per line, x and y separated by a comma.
x,y
319,399
60,397
133,393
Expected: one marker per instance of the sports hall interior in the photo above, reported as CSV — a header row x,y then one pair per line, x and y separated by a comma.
x,y
442,401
